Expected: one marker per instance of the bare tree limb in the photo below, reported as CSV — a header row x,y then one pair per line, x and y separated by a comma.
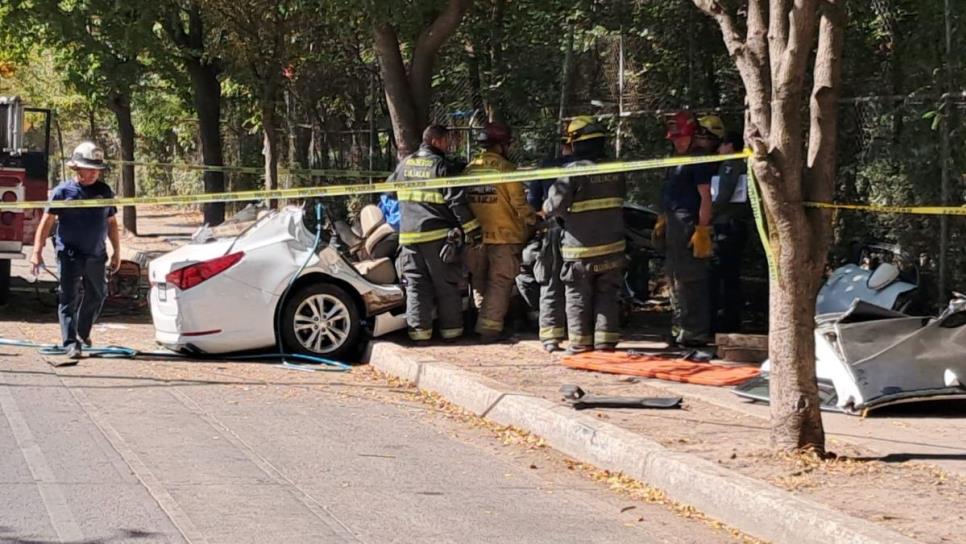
x,y
752,64
801,38
822,137
777,32
396,85
426,49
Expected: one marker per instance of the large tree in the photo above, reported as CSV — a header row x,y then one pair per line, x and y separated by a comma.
x,y
793,140
100,47
261,40
191,40
409,83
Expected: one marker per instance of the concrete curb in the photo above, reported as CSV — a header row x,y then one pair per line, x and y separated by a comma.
x,y
753,506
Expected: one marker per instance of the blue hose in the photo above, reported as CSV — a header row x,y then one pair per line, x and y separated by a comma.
x,y
118,352
121,352
328,364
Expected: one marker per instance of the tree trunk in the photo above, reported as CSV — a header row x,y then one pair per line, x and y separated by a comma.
x,y
402,112
121,106
796,419
207,101
566,83
409,93
269,146
475,81
773,74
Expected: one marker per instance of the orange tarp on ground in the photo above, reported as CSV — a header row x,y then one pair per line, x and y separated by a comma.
x,y
649,366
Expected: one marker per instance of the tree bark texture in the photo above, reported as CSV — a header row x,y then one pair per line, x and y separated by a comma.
x,y
270,145
120,105
402,110
206,95
409,90
207,101
772,59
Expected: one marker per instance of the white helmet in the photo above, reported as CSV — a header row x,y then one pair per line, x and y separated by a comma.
x,y
87,155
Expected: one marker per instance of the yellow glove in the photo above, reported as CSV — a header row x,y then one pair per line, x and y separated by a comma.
x,y
659,232
701,242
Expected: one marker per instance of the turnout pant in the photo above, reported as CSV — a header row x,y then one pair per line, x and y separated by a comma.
x,y
689,278
553,314
493,268
431,285
593,301
527,284
77,310
727,301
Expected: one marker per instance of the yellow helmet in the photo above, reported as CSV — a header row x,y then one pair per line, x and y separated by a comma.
x,y
713,124
584,127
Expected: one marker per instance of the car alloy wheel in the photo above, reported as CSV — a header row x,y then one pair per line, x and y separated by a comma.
x,y
322,323
321,319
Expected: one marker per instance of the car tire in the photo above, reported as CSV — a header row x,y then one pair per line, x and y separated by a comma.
x,y
307,330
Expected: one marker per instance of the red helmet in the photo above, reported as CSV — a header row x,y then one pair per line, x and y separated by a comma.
x,y
494,133
680,125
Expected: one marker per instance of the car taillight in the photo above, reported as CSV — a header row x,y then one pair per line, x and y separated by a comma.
x,y
192,275
8,218
9,196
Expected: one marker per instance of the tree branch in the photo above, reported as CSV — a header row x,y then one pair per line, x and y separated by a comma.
x,y
751,63
396,85
801,37
777,32
822,137
425,51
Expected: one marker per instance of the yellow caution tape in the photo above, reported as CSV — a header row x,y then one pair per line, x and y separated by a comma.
x,y
519,176
917,210
758,211
335,173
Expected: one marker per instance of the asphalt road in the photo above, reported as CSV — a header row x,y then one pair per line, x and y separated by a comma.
x,y
126,451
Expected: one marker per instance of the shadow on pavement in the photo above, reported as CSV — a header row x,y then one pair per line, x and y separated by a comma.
x,y
7,535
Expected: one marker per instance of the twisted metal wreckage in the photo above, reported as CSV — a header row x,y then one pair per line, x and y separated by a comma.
x,y
869,354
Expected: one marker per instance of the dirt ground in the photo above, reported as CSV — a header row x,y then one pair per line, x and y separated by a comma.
x,y
916,499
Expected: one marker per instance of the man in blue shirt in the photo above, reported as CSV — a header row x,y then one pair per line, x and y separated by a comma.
x,y
81,251
686,205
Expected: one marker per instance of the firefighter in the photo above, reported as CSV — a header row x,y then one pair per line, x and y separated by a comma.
x,y
547,261
731,216
505,218
81,249
685,226
589,210
435,224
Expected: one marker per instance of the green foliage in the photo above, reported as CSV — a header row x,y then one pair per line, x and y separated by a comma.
x,y
505,60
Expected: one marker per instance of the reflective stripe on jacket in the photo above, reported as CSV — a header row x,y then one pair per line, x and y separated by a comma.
x,y
502,209
591,211
428,215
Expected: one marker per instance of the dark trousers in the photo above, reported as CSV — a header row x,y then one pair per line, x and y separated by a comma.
x,y
727,300
593,301
431,286
76,309
553,315
690,300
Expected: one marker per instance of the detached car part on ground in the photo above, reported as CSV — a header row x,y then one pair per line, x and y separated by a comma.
x,y
224,296
869,355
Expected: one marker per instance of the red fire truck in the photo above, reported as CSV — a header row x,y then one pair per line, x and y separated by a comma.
x,y
24,164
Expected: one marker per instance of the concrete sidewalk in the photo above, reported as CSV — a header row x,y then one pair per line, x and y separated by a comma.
x,y
516,385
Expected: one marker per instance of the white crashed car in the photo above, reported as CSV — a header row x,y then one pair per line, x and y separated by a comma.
x,y
226,295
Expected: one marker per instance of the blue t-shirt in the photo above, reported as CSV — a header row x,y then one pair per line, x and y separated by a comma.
x,y
680,190
82,231
390,210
